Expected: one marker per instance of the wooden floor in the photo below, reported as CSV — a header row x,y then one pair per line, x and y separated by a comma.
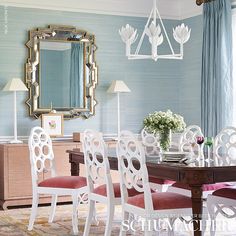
x,y
14,222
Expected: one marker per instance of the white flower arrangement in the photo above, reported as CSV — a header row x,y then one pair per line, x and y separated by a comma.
x,y
160,121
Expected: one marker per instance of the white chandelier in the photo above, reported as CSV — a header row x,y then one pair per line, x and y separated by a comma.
x,y
128,35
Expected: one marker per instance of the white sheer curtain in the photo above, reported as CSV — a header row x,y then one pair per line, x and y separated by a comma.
x,y
234,64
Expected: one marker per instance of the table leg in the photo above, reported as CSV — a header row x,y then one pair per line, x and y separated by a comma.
x,y
74,166
196,192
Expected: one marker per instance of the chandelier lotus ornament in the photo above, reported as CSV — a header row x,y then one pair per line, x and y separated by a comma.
x,y
154,32
128,36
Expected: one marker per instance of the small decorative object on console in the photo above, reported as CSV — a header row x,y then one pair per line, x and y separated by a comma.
x,y
77,137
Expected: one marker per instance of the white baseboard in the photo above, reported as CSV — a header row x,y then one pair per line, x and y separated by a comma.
x,y
5,139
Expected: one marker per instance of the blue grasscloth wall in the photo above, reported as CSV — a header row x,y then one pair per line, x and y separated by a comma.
x,y
154,85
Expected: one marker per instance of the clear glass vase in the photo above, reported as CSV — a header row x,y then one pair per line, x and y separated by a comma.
x,y
165,139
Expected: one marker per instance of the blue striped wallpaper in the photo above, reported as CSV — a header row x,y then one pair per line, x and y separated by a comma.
x,y
154,85
190,94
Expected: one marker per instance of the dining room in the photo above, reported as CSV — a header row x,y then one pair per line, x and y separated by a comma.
x,y
118,117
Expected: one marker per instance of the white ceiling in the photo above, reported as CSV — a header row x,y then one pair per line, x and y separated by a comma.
x,y
170,9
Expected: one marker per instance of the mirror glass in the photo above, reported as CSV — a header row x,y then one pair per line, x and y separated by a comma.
x,y
61,72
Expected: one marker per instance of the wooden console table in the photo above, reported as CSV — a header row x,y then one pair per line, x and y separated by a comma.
x,y
15,172
194,176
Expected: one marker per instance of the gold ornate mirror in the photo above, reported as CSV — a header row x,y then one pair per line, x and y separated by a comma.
x,y
61,72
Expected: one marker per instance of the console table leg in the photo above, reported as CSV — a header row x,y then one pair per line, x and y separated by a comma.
x,y
74,169
74,166
4,206
197,209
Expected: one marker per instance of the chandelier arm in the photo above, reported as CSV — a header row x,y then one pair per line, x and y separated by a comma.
x,y
154,12
137,57
167,56
167,37
143,34
171,56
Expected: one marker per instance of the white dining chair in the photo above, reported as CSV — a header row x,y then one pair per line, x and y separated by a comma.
x,y
224,147
42,161
188,143
223,201
151,143
151,146
133,174
100,186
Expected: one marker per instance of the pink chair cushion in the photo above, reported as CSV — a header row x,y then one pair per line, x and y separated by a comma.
x,y
205,187
226,192
72,182
160,181
162,201
101,190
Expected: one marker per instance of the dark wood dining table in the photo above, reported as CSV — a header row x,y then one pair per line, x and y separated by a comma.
x,y
193,175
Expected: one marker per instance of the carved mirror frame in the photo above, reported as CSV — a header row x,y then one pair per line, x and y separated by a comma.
x,y
33,77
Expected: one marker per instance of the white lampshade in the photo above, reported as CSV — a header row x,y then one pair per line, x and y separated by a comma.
x,y
15,84
118,86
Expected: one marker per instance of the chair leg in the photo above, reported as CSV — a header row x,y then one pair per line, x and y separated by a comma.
x,y
95,220
148,232
171,229
53,208
211,210
149,228
110,217
33,214
165,187
125,219
204,218
91,208
75,201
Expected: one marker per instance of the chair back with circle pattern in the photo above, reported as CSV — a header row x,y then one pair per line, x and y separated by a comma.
x,y
96,161
132,168
41,154
224,147
151,143
188,140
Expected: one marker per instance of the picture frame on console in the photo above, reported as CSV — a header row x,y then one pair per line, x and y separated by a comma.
x,y
53,124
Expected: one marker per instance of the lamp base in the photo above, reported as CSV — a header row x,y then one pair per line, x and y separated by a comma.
x,y
15,141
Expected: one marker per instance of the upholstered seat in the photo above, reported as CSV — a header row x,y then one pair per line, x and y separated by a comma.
x,y
205,187
226,192
160,181
72,182
162,201
102,190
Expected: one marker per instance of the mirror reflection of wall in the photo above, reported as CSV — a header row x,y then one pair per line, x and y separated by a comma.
x,y
61,74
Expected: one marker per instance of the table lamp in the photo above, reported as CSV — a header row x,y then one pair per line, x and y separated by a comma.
x,y
15,85
118,86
